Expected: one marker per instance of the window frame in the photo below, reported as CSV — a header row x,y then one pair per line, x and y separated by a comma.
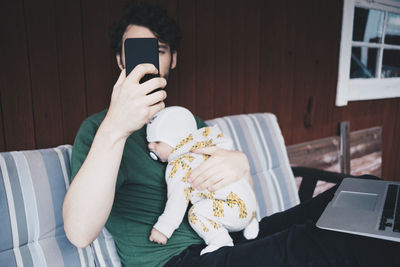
x,y
358,88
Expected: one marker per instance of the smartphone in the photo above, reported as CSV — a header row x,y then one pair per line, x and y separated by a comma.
x,y
141,50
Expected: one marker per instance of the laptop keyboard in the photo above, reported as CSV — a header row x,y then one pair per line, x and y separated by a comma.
x,y
390,219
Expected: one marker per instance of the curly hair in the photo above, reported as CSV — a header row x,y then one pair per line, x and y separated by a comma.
x,y
152,17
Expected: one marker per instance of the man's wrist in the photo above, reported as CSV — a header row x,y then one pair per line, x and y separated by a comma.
x,y
110,132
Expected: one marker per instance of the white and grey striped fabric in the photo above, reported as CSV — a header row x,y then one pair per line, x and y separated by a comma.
x,y
260,138
32,188
33,184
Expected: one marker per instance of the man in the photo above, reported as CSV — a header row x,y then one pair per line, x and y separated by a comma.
x,y
118,185
115,182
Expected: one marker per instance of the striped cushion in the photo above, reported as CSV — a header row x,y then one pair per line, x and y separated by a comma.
x,y
32,188
105,251
33,185
260,138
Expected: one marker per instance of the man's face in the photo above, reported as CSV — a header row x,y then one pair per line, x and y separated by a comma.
x,y
167,60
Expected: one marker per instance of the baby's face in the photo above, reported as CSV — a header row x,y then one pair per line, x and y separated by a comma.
x,y
163,150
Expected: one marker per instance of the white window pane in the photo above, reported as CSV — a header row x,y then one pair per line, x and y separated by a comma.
x,y
392,35
390,63
368,25
363,62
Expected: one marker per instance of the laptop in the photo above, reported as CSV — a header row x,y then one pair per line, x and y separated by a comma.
x,y
364,207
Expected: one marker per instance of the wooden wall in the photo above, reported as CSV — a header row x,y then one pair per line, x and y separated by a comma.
x,y
56,68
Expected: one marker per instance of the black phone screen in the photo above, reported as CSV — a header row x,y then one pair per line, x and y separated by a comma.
x,y
141,50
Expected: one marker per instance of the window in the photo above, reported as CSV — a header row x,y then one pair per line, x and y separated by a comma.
x,y
369,63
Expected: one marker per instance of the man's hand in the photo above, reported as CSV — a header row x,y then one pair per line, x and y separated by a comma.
x,y
222,168
131,104
158,237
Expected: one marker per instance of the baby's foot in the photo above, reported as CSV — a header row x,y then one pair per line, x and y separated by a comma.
x,y
251,231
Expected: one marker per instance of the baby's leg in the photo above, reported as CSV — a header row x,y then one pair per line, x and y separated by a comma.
x,y
207,227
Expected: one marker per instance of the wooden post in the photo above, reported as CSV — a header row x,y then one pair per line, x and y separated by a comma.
x,y
345,147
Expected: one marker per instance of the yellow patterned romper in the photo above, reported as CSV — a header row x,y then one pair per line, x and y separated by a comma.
x,y
213,214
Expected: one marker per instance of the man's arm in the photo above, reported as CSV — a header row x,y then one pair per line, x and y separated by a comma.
x,y
89,199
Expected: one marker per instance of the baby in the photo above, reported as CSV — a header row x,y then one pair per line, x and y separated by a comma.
x,y
173,135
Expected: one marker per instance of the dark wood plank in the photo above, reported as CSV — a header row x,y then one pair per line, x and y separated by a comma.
x,y
324,64
252,55
394,166
71,67
187,55
277,62
312,76
2,141
239,40
332,62
287,76
390,137
16,104
98,61
173,80
391,143
116,9
40,20
307,107
224,59
205,58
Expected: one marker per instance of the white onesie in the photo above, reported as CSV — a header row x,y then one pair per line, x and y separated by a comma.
x,y
213,214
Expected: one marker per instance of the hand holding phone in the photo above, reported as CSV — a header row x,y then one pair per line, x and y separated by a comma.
x,y
132,104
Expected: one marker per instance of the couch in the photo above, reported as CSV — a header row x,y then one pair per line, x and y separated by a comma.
x,y
33,184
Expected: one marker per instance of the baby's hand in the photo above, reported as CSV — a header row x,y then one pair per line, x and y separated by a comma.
x,y
158,237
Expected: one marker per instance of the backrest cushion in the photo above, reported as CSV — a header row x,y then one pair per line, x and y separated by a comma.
x,y
32,189
105,252
260,138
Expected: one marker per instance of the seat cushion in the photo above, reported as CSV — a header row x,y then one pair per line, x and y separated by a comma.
x,y
32,189
260,138
104,249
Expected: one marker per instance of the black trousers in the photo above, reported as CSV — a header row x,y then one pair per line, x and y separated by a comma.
x,y
290,238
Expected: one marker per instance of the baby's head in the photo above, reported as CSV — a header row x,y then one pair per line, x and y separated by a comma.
x,y
167,128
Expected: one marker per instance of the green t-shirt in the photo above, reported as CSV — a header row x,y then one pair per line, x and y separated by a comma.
x,y
141,194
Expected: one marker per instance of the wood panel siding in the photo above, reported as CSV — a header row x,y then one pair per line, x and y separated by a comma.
x,y
186,67
2,141
56,68
44,69
71,68
15,78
